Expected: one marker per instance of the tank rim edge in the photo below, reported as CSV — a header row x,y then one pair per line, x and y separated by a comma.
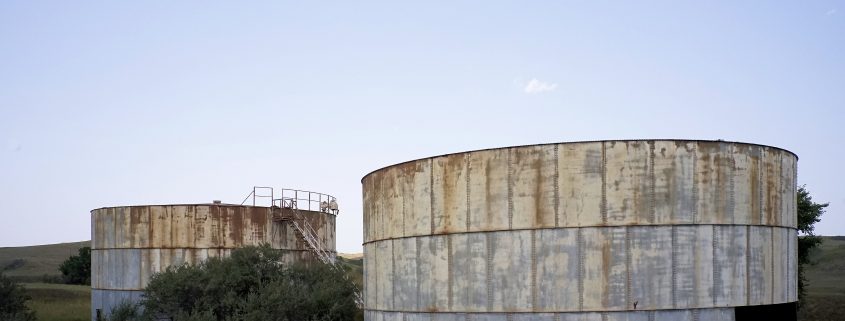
x,y
576,142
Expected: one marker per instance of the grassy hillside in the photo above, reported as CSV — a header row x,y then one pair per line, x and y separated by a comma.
x,y
57,302
826,291
354,269
31,263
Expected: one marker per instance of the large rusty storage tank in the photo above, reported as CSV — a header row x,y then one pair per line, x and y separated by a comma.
x,y
131,243
605,230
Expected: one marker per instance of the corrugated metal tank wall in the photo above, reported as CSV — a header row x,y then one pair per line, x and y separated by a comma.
x,y
131,243
613,230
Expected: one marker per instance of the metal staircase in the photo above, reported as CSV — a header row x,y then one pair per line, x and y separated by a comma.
x,y
286,209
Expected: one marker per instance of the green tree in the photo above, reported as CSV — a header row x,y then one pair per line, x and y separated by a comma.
x,y
249,285
809,213
13,299
77,268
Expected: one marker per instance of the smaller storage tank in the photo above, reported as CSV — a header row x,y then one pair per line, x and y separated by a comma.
x,y
129,244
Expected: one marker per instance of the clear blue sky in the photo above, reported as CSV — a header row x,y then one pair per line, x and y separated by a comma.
x,y
144,102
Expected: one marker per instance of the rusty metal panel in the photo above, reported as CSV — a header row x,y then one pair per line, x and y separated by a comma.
x,y
433,273
729,253
792,265
557,269
672,170
581,175
533,187
627,316
370,266
713,171
405,274
417,197
368,207
772,196
604,271
788,189
674,315
488,176
693,266
384,275
391,204
628,193
780,245
745,177
449,194
716,315
586,316
108,229
534,317
510,280
469,272
760,265
391,316
651,267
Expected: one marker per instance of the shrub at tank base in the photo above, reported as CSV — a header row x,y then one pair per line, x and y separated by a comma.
x,y
249,285
13,299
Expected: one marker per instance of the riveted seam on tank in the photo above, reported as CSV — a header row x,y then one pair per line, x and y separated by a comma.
x,y
603,184
404,233
468,190
393,273
747,265
431,192
772,261
557,185
580,250
760,188
674,266
716,281
788,264
732,188
562,227
628,262
375,275
794,196
652,182
510,188
489,270
534,270
695,183
450,272
418,272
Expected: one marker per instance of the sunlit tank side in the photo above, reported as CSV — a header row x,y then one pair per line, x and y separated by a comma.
x,y
132,243
605,230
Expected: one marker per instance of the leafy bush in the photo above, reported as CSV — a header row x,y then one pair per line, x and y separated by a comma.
x,y
249,285
77,268
13,299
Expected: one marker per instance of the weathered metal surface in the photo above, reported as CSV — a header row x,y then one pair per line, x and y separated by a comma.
x,y
130,244
582,227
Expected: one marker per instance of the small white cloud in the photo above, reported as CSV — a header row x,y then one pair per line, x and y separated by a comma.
x,y
831,12
536,86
